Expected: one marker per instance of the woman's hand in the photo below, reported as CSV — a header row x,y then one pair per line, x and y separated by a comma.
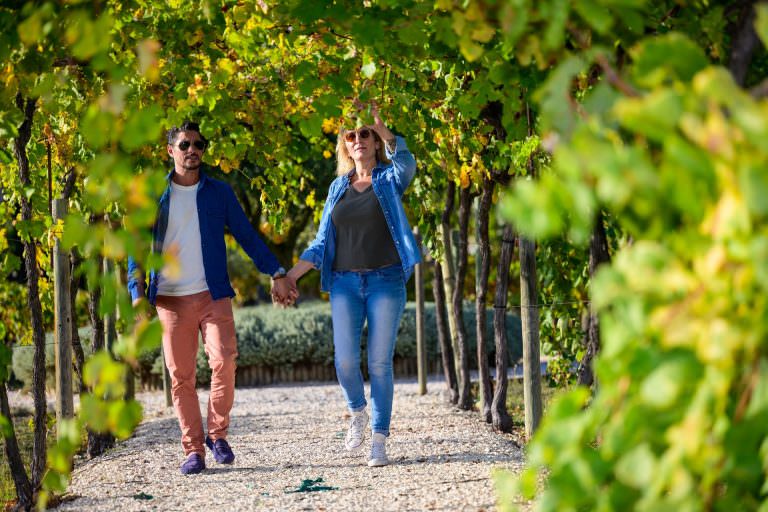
x,y
284,292
379,127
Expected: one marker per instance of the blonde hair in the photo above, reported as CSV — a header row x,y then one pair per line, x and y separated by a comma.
x,y
344,162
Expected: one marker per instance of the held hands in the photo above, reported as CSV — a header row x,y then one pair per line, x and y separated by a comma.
x,y
284,291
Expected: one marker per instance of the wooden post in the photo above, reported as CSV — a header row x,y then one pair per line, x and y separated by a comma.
x,y
63,337
421,349
529,316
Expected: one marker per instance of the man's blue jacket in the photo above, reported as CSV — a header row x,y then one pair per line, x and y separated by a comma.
x,y
217,206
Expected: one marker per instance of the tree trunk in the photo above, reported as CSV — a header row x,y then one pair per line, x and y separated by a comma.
x,y
15,464
77,346
530,320
33,297
501,420
67,190
443,335
598,255
449,275
97,443
465,395
484,268
744,44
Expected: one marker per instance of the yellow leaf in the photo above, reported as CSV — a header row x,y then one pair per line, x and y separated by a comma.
x,y
329,126
195,37
483,33
464,176
227,66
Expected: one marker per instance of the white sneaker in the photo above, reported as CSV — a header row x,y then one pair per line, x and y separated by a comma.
x,y
378,451
356,432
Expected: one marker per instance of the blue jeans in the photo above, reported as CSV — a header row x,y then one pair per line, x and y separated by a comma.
x,y
379,296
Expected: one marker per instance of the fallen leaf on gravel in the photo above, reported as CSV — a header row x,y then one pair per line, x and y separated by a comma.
x,y
309,485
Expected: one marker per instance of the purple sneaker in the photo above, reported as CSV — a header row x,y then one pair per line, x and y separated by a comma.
x,y
222,453
194,464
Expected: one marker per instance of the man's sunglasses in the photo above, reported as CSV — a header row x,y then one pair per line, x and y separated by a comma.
x,y
184,145
363,133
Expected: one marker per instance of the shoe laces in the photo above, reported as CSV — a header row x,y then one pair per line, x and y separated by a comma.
x,y
356,427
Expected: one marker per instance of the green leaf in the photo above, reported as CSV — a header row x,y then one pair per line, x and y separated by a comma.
x,y
31,29
654,115
601,99
6,354
97,126
105,375
637,468
670,56
761,22
598,16
6,428
754,183
556,111
90,37
149,338
75,232
470,49
143,127
662,388
93,412
55,481
557,15
368,68
10,120
124,417
59,459
758,403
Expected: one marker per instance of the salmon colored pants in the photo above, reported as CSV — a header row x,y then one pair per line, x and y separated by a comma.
x,y
182,319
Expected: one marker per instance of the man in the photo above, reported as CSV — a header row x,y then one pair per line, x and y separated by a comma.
x,y
193,295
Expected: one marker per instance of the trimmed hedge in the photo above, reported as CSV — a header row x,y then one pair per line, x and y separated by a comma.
x,y
270,336
21,361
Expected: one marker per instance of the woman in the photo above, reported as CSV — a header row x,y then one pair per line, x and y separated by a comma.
x,y
365,252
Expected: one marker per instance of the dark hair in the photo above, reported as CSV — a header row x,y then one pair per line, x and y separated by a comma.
x,y
186,126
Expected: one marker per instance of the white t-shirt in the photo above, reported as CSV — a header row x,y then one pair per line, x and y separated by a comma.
x,y
183,272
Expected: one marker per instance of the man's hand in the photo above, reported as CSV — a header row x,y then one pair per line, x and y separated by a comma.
x,y
284,292
141,309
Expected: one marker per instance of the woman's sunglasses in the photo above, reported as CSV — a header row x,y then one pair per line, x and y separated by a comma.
x,y
184,145
363,133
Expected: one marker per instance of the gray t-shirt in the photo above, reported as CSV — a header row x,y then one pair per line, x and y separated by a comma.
x,y
363,240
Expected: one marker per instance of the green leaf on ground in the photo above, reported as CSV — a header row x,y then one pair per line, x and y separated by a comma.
x,y
309,485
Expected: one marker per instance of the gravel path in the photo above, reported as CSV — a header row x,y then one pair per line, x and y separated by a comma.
x,y
442,458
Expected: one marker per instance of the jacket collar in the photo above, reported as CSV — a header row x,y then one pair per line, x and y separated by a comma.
x,y
377,167
203,177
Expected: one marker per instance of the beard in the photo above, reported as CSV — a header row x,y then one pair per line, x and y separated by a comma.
x,y
192,164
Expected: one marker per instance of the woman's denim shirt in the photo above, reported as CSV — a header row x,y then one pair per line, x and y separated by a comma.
x,y
389,182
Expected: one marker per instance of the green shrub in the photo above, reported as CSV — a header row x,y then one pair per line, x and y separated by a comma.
x,y
274,337
21,362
